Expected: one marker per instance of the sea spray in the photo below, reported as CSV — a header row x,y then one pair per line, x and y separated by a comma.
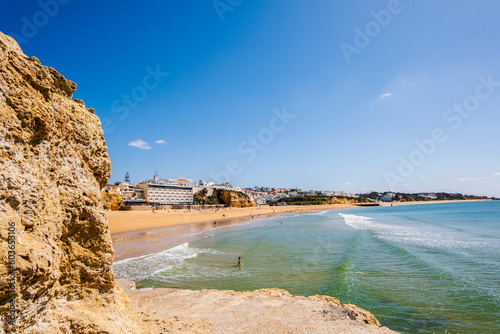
x,y
143,267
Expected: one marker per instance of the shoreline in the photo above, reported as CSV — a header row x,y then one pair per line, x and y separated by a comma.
x,y
139,233
174,227
129,221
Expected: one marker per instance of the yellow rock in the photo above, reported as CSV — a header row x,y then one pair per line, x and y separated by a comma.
x,y
54,162
235,199
111,200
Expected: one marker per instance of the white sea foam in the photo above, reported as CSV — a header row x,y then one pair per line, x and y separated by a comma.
x,y
357,222
318,213
410,235
192,271
142,267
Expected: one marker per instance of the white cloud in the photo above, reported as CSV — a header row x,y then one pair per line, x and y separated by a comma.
x,y
386,95
496,174
139,143
470,179
348,183
161,141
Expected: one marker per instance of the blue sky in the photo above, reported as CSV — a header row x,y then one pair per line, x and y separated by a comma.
x,y
341,95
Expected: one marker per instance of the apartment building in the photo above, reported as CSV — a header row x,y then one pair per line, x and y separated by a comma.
x,y
162,194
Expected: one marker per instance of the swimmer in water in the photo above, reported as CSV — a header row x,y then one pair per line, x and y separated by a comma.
x,y
239,262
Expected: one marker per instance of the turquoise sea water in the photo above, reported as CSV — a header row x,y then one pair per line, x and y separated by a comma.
x,y
431,268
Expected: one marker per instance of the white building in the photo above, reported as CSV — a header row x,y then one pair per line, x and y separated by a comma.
x,y
388,197
225,186
166,194
260,200
268,197
125,189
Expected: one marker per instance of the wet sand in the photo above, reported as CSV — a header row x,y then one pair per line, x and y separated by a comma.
x,y
147,241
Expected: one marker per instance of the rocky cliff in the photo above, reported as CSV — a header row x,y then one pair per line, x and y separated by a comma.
x,y
346,200
235,199
231,198
111,200
53,161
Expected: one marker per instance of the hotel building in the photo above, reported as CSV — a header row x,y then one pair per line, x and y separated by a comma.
x,y
162,194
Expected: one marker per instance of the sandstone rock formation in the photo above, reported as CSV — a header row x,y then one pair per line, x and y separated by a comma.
x,y
346,200
235,199
53,162
262,311
111,200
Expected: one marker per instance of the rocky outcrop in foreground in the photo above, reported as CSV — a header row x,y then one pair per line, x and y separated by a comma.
x,y
53,163
262,311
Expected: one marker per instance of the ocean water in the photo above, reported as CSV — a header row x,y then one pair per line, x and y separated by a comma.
x,y
430,268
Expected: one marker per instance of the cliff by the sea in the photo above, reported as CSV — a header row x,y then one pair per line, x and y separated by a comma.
x,y
56,271
235,199
111,200
53,163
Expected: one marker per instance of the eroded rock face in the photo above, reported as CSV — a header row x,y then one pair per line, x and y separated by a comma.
x,y
111,200
262,311
235,199
53,163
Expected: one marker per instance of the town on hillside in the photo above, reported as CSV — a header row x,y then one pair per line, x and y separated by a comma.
x,y
180,193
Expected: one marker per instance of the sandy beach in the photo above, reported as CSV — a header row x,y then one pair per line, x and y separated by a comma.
x,y
137,233
126,221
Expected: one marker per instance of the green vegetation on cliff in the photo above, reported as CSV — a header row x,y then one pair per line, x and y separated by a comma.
x,y
201,198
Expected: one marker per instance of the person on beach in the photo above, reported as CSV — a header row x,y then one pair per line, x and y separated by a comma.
x,y
239,262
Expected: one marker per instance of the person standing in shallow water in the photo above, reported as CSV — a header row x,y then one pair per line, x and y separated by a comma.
x,y
239,262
